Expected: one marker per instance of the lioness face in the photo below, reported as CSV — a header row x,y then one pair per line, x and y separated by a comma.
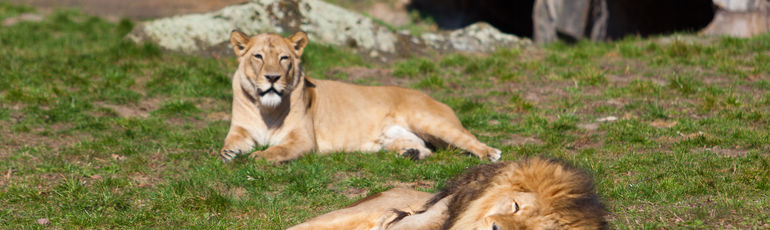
x,y
270,64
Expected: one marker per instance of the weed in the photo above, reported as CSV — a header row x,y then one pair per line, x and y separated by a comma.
x,y
414,67
432,81
684,84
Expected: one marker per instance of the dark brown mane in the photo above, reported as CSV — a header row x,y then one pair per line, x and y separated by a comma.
x,y
545,177
468,187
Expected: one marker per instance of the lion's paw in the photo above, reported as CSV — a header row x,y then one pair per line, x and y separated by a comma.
x,y
229,154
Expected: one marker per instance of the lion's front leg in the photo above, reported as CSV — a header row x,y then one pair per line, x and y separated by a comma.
x,y
293,146
237,141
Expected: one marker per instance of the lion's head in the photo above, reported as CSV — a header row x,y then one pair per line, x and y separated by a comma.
x,y
535,193
270,65
530,194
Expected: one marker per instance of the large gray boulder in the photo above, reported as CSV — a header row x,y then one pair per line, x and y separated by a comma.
x,y
739,18
208,33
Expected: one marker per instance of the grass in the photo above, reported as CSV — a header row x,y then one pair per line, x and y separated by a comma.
x,y
96,132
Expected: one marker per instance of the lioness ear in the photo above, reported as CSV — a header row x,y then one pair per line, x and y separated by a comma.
x,y
299,41
239,40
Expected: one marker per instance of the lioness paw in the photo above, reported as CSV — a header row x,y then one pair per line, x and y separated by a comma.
x,y
494,155
255,154
413,154
270,155
229,154
417,153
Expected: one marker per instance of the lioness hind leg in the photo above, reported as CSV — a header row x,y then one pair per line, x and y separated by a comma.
x,y
408,144
451,131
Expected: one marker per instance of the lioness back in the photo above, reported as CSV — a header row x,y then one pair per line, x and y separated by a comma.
x,y
348,113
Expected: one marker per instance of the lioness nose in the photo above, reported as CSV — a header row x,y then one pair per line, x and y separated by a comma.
x,y
272,78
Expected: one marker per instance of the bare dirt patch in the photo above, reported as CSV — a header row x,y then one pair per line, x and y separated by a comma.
x,y
515,139
26,17
622,80
729,152
419,184
12,141
587,142
238,193
144,181
141,109
661,124
351,193
393,14
134,9
215,110
6,177
380,75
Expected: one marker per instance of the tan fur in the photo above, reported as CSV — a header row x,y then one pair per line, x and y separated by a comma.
x,y
529,194
301,114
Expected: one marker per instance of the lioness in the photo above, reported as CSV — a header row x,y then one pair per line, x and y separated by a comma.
x,y
529,194
275,104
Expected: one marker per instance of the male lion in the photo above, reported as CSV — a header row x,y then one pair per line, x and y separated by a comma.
x,y
275,104
533,193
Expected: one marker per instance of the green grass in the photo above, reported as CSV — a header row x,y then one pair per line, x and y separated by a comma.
x,y
97,132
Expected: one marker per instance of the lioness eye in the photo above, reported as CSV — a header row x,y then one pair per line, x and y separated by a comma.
x,y
284,58
515,207
258,56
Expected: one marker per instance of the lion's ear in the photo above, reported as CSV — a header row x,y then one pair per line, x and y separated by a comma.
x,y
299,41
239,40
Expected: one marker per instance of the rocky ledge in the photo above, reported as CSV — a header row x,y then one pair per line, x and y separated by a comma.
x,y
208,33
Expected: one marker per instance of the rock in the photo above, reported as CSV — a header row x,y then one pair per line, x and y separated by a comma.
x,y
589,126
478,37
117,157
393,14
613,19
208,33
739,18
663,124
740,5
568,18
26,17
607,119
43,221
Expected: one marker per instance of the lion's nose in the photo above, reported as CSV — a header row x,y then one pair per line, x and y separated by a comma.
x,y
272,78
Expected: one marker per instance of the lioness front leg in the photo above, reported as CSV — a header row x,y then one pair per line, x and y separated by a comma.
x,y
293,146
237,141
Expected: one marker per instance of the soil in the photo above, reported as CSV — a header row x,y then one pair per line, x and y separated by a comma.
x,y
141,109
13,141
133,9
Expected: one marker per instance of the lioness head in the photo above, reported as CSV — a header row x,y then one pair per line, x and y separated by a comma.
x,y
269,64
